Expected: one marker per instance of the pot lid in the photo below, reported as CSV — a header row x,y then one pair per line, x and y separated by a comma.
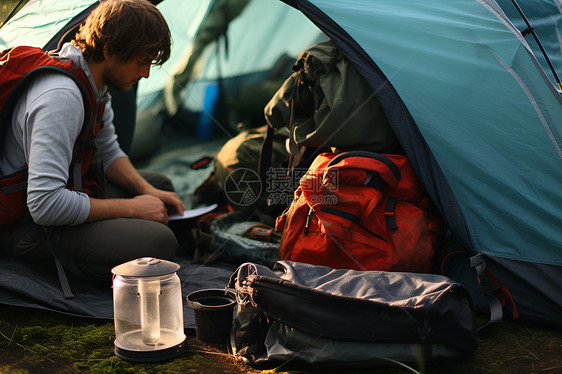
x,y
145,267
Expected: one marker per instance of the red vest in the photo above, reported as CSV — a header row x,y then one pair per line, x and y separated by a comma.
x,y
19,66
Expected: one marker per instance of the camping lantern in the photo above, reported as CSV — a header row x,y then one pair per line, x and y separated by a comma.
x,y
147,309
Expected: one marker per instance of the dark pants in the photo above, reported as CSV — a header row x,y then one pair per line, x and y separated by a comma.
x,y
91,250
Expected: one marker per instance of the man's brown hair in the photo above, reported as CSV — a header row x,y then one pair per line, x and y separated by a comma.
x,y
128,29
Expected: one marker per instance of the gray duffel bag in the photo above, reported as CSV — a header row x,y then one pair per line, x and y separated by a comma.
x,y
301,316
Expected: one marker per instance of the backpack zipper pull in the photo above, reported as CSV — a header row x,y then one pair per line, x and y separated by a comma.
x,y
307,224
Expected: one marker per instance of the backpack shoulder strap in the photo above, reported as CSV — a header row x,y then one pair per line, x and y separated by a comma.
x,y
371,155
11,63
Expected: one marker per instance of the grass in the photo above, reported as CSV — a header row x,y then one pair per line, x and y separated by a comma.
x,y
36,341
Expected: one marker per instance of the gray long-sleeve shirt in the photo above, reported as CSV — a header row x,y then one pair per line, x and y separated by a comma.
x,y
46,122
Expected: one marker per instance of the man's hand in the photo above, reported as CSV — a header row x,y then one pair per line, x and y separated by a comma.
x,y
149,207
170,199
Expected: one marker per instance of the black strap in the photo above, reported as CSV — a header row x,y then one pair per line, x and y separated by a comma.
x,y
82,143
373,180
63,280
294,153
531,30
389,213
350,217
340,213
478,263
372,155
266,154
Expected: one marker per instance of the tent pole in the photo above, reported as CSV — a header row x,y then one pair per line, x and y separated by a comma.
x,y
531,30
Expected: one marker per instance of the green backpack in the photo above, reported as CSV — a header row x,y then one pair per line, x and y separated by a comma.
x,y
327,103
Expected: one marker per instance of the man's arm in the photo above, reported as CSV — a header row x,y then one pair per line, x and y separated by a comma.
x,y
142,206
49,117
151,203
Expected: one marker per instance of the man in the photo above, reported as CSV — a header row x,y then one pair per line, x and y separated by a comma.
x,y
90,234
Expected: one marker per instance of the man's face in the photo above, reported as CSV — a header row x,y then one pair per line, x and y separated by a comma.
x,y
122,75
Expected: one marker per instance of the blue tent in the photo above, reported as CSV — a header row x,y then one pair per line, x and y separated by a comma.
x,y
479,113
476,107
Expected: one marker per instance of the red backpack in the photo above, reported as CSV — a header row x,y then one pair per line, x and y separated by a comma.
x,y
361,210
18,66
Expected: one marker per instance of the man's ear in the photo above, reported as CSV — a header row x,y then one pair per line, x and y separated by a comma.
x,y
106,54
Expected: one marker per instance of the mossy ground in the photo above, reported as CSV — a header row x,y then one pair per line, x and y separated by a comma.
x,y
35,341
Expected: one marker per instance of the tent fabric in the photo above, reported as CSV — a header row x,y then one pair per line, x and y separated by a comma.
x,y
264,31
482,124
37,22
184,19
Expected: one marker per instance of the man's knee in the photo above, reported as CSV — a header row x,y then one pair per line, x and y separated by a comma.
x,y
158,241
